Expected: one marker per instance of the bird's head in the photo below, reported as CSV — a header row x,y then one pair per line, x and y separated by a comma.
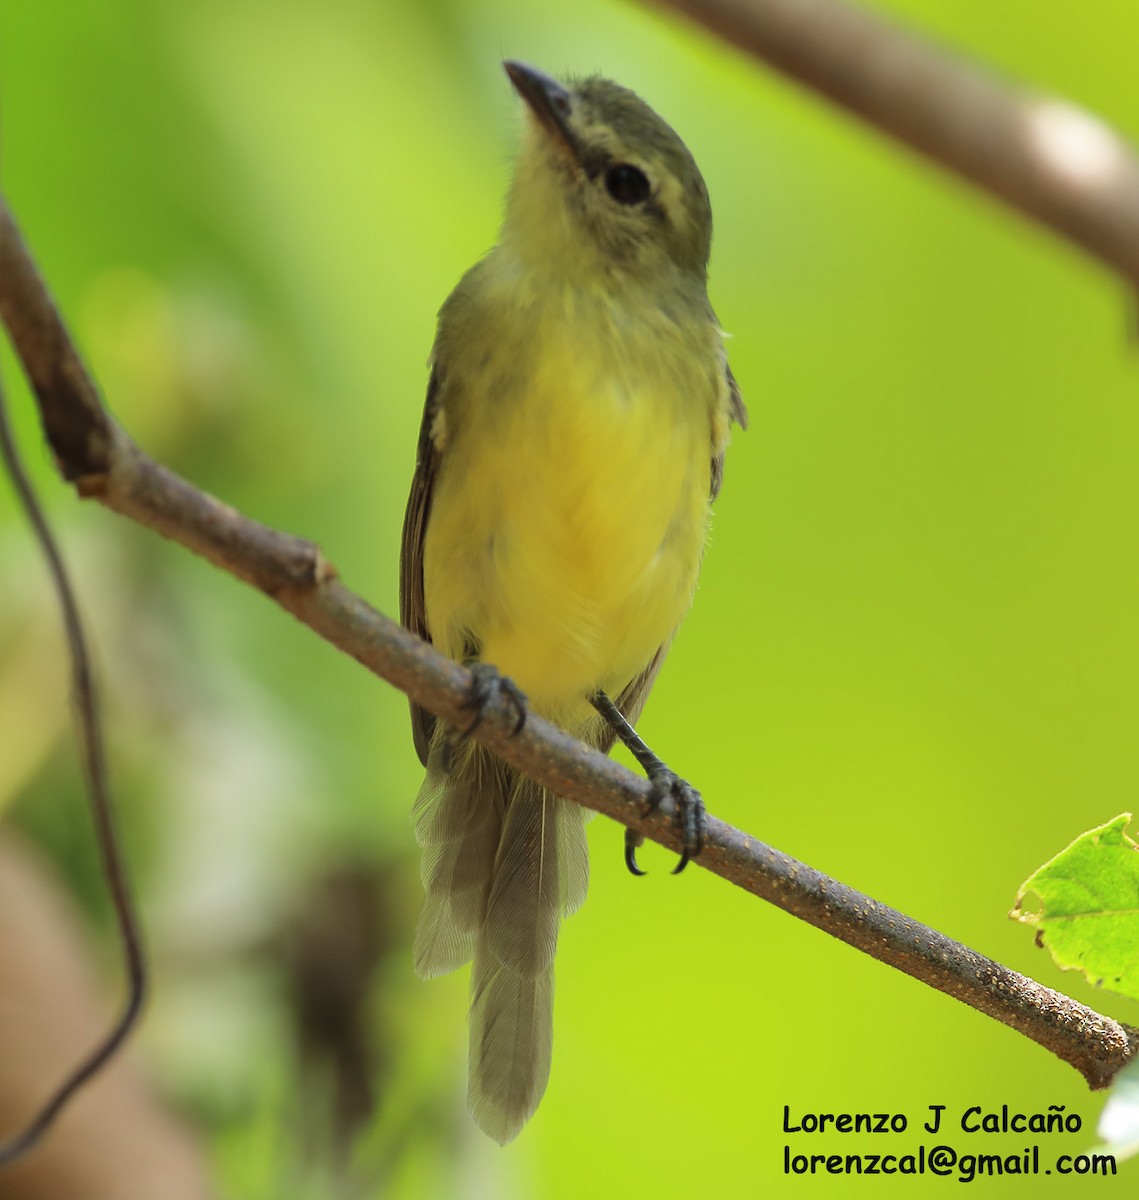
x,y
602,184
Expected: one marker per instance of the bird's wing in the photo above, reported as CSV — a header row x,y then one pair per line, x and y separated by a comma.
x,y
736,407
737,412
412,608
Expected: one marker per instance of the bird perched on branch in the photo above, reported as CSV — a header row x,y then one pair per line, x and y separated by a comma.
x,y
572,442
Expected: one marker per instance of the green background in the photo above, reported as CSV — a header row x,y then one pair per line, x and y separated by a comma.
x,y
912,660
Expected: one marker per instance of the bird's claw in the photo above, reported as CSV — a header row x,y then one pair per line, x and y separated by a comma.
x,y
487,684
689,808
633,840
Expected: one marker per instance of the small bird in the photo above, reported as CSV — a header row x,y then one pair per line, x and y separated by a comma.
x,y
572,442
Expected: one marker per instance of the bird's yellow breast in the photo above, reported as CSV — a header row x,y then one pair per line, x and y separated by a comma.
x,y
572,500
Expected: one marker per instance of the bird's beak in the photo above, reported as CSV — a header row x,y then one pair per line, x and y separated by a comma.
x,y
547,100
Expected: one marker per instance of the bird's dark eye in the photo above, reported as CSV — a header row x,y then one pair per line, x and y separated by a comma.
x,y
627,184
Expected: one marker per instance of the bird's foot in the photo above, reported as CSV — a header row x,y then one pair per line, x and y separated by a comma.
x,y
689,807
487,685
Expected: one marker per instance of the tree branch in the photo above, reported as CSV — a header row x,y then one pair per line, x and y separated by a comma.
x,y
1041,155
105,465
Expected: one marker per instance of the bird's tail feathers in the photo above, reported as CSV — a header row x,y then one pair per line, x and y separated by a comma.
x,y
457,817
503,861
541,871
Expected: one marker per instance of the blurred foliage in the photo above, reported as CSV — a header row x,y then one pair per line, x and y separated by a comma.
x,y
912,660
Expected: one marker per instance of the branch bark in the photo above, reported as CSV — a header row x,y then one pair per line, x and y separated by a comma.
x,y
105,465
1043,156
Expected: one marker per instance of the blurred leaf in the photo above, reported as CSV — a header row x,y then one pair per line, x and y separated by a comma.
x,y
1089,914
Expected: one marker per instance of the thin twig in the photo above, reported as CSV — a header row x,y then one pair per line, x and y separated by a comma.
x,y
1050,160
87,714
293,573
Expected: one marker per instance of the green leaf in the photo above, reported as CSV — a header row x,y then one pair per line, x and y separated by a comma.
x,y
1089,907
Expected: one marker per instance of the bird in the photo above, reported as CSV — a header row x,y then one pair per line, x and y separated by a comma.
x,y
572,442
